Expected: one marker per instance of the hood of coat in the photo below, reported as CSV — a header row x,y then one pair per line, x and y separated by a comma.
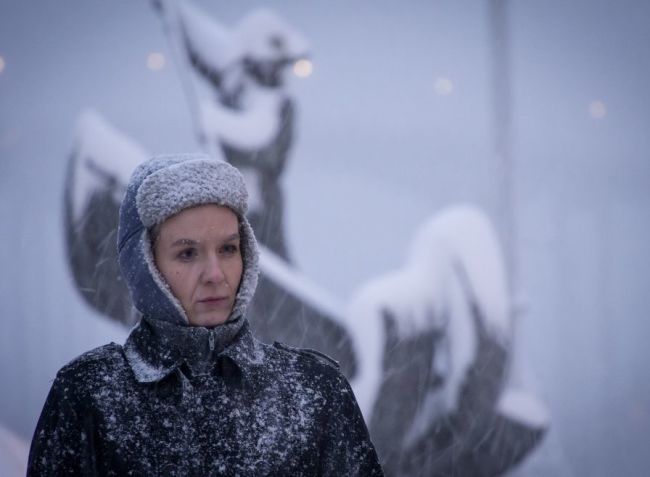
x,y
160,188
156,348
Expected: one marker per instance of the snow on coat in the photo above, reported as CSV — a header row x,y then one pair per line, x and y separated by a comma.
x,y
258,410
184,400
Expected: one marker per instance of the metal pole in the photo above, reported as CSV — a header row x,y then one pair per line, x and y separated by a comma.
x,y
168,12
502,107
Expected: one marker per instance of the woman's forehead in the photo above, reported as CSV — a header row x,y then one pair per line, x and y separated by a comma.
x,y
201,220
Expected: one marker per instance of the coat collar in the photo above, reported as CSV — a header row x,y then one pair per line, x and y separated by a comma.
x,y
155,348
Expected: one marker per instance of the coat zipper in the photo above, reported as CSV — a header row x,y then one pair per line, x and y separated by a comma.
x,y
211,341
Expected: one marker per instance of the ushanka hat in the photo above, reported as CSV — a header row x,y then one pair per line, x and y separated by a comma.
x,y
160,188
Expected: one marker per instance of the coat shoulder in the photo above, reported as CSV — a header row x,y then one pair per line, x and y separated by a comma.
x,y
308,353
96,364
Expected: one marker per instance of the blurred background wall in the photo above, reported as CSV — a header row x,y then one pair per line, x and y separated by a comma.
x,y
396,122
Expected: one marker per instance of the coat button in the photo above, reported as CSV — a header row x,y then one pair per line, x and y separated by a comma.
x,y
227,367
168,469
165,389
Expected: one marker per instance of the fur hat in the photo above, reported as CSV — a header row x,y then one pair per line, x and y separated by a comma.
x,y
160,188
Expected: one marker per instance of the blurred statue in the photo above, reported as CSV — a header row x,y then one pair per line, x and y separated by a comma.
x,y
429,348
433,381
98,170
249,115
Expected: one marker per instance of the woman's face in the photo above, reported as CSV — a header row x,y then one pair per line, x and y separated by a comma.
x,y
198,253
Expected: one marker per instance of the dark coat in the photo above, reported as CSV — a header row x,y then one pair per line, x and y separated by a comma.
x,y
146,409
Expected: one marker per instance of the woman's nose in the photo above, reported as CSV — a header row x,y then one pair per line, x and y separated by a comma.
x,y
212,271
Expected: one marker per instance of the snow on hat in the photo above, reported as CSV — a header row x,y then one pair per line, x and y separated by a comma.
x,y
160,188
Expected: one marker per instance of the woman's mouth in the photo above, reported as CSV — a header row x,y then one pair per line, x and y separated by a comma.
x,y
213,299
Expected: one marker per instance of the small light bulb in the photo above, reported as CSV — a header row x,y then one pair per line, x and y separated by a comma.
x,y
597,110
303,68
155,61
443,86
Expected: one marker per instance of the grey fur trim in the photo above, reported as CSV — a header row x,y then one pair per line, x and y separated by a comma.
x,y
171,189
250,257
145,242
170,184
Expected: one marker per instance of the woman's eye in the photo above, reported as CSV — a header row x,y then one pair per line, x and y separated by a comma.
x,y
187,254
229,249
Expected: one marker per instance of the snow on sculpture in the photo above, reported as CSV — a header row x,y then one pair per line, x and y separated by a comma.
x,y
248,116
428,347
98,170
434,340
245,112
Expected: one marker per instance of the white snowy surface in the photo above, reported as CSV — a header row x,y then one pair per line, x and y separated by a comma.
x,y
13,454
255,33
253,186
523,406
100,145
252,127
298,284
261,36
463,236
454,253
211,40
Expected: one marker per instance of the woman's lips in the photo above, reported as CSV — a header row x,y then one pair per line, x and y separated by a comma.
x,y
213,302
213,299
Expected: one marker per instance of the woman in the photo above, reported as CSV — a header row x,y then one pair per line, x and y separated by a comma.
x,y
192,392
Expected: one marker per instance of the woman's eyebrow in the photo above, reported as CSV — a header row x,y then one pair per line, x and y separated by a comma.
x,y
184,242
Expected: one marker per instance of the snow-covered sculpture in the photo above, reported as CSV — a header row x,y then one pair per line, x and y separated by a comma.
x,y
247,113
249,116
428,347
436,339
99,168
244,111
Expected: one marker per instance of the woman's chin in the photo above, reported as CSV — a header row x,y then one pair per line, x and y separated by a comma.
x,y
208,319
